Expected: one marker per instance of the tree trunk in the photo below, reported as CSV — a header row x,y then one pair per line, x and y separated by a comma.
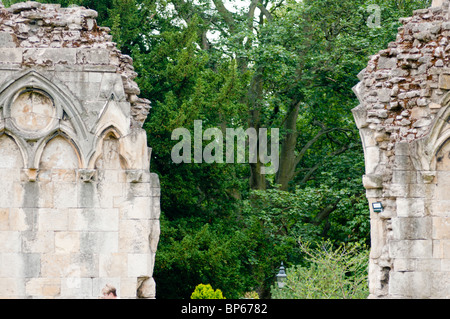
x,y
288,163
254,98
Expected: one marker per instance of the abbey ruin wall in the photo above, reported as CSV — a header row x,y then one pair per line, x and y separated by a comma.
x,y
79,208
404,123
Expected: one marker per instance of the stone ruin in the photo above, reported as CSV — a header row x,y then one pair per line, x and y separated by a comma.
x,y
404,123
79,208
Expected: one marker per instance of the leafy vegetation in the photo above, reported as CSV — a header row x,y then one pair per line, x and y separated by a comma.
x,y
257,64
206,292
328,273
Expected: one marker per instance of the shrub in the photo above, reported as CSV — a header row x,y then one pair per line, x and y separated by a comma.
x,y
330,273
206,292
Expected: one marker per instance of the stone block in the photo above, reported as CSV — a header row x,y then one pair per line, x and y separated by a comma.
x,y
378,240
85,91
411,248
146,288
404,264
440,208
53,220
81,287
397,190
64,175
11,288
99,242
137,208
444,81
11,56
43,287
410,284
4,219
410,207
441,227
107,191
8,40
112,84
37,242
55,265
140,190
139,265
373,181
440,284
67,242
417,190
19,265
404,177
372,157
156,208
10,242
113,265
402,162
128,288
428,265
94,220
442,188
134,236
11,195
93,56
65,195
38,195
50,56
445,265
387,63
411,228
88,196
85,264
154,235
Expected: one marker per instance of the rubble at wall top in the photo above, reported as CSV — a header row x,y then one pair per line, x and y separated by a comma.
x,y
39,30
405,86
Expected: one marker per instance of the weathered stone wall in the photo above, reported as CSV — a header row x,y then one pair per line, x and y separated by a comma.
x,y
404,121
79,207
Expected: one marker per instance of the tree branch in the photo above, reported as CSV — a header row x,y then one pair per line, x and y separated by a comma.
x,y
266,12
226,15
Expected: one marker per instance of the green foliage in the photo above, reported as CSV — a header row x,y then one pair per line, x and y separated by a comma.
x,y
206,292
192,253
329,273
310,51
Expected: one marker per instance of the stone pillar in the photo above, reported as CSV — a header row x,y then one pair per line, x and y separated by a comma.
x,y
403,118
79,207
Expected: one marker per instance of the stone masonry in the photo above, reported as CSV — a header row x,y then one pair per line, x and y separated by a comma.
x,y
404,123
79,208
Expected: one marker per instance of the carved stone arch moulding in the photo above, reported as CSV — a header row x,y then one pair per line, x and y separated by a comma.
x,y
55,91
69,142
425,151
16,144
109,134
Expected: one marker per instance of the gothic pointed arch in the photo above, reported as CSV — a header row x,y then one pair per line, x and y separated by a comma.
x,y
11,152
109,150
64,151
425,151
31,80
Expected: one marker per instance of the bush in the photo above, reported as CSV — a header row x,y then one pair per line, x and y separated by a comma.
x,y
206,292
330,273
